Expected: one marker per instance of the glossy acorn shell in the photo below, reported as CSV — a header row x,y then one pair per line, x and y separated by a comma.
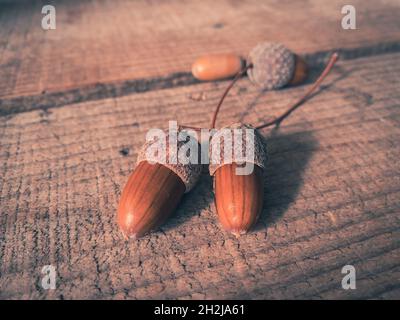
x,y
238,198
150,196
300,71
217,66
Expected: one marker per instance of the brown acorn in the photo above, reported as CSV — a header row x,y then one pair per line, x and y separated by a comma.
x,y
238,197
300,71
274,66
153,191
217,66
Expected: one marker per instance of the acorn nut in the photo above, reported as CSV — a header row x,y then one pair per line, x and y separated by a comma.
x,y
154,190
217,66
238,198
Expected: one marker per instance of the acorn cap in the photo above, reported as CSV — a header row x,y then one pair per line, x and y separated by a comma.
x,y
188,173
217,154
273,65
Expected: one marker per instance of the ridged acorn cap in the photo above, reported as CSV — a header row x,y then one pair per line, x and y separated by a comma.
x,y
273,65
188,173
217,152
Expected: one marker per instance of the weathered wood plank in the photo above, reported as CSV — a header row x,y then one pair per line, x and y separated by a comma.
x,y
332,191
114,40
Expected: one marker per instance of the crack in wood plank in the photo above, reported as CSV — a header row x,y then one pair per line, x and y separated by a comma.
x,y
49,100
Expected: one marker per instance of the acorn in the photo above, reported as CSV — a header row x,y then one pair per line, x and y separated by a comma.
x,y
238,190
238,195
273,66
217,66
269,66
154,189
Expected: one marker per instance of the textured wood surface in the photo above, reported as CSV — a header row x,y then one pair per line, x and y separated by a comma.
x,y
114,40
76,103
332,191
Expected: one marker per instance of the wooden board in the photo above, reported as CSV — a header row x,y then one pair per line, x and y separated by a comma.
x,y
332,191
115,40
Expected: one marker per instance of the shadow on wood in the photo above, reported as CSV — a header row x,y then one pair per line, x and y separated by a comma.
x,y
288,155
193,203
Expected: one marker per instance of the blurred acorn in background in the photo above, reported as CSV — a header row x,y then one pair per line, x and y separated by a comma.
x,y
269,66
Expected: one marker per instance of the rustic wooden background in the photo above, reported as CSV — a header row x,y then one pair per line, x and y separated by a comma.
x,y
76,102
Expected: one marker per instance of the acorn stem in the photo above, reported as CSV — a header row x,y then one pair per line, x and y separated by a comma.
x,y
307,95
236,78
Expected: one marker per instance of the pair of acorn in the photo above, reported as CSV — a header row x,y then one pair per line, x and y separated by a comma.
x,y
154,190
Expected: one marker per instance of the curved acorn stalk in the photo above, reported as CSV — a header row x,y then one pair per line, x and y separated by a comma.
x,y
238,195
153,191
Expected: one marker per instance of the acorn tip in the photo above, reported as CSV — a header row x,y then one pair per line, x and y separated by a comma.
x,y
133,236
127,237
124,235
238,233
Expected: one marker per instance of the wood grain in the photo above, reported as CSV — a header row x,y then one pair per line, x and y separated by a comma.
x,y
113,40
332,191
